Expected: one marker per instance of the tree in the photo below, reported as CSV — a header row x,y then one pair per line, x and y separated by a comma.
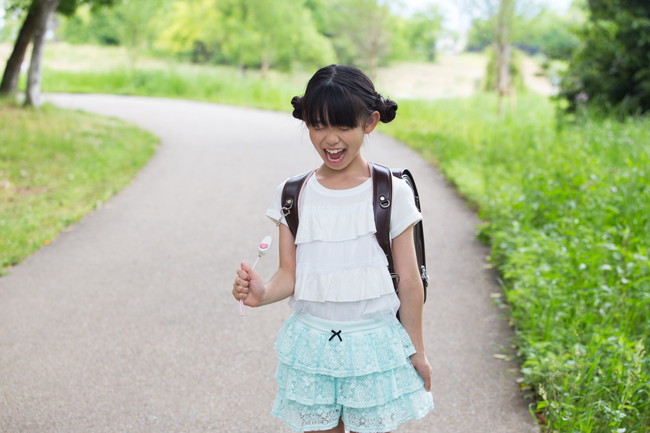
x,y
249,34
492,25
611,71
43,11
480,34
534,30
196,28
134,23
425,28
548,33
15,61
33,29
503,50
361,33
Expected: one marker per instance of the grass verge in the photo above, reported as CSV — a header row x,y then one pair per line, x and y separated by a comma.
x,y
567,214
222,85
57,165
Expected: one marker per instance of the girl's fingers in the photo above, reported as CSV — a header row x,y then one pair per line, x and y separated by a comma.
x,y
427,383
240,293
241,282
240,288
243,274
427,378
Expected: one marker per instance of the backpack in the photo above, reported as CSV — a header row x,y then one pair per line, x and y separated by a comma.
x,y
382,189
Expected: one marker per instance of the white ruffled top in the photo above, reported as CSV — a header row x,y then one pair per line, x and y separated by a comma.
x,y
341,271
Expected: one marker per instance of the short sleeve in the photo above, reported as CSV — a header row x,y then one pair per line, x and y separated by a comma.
x,y
404,213
274,212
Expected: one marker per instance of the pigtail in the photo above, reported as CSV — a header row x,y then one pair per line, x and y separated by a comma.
x,y
296,101
387,108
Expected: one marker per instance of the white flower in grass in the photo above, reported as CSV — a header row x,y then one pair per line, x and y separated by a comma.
x,y
582,267
606,267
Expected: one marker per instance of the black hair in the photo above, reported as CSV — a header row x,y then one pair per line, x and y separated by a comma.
x,y
340,95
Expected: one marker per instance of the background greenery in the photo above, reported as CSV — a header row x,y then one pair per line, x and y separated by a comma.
x,y
611,69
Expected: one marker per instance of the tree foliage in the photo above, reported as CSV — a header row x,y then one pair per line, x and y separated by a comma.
x,y
423,32
267,33
611,71
547,32
541,31
131,23
33,29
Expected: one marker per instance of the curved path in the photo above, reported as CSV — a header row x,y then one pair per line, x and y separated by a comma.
x,y
125,323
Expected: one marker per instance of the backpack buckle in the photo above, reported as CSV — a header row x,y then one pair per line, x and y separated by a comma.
x,y
384,202
424,275
395,278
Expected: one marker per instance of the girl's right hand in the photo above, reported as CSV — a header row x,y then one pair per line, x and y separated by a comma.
x,y
248,286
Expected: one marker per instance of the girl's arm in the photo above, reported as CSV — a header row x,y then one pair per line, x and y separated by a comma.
x,y
250,287
411,295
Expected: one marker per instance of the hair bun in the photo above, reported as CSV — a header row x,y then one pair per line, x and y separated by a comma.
x,y
296,101
387,109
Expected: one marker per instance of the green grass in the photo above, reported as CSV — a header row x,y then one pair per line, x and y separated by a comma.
x,y
567,212
223,85
55,166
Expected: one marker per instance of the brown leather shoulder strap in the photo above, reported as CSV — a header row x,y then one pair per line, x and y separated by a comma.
x,y
290,197
382,195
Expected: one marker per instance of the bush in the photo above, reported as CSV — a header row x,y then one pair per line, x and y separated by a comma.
x,y
611,71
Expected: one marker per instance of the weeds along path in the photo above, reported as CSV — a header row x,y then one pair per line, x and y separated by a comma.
x,y
126,323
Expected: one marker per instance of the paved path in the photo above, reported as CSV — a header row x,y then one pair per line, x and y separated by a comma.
x,y
125,322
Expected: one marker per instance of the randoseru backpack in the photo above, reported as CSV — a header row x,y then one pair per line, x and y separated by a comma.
x,y
382,189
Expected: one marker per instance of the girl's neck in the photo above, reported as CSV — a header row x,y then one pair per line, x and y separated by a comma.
x,y
349,177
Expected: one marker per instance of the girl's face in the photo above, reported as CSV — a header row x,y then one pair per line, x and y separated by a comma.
x,y
340,146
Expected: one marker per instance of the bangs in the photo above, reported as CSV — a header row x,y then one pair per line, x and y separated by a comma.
x,y
333,105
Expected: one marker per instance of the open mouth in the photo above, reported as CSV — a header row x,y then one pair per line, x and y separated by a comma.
x,y
335,156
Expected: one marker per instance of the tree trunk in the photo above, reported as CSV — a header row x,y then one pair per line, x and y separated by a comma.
x,y
33,94
373,53
12,69
266,64
503,50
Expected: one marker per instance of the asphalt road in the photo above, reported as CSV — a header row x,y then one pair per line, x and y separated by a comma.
x,y
125,323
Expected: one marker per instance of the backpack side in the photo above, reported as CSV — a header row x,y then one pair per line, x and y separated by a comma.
x,y
382,202
418,229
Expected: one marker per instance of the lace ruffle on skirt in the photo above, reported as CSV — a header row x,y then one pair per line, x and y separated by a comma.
x,y
364,377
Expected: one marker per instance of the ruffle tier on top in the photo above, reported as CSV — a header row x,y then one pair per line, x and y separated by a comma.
x,y
338,258
366,378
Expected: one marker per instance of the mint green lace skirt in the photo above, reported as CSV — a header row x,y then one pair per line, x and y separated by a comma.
x,y
359,372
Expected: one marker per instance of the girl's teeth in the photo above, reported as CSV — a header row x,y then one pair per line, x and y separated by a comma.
x,y
334,155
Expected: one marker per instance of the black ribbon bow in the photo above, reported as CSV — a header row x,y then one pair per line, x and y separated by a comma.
x,y
336,334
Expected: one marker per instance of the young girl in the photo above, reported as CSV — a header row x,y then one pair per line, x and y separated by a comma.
x,y
345,360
